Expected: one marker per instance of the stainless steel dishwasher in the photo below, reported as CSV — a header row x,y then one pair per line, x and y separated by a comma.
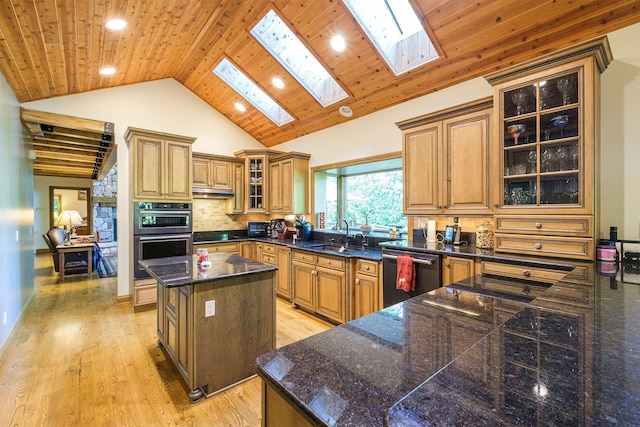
x,y
427,272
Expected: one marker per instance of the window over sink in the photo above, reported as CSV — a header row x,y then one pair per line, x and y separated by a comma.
x,y
364,191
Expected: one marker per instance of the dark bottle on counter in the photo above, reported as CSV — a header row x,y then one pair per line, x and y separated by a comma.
x,y
613,234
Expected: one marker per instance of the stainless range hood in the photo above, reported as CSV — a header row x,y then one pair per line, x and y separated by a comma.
x,y
211,193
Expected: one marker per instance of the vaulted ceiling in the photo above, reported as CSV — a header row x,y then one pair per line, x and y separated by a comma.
x,y
50,48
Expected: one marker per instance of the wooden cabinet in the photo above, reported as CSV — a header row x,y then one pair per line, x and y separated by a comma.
x,y
445,161
240,328
224,246
545,144
319,284
213,172
256,184
161,165
455,269
279,256
248,250
367,287
289,184
235,204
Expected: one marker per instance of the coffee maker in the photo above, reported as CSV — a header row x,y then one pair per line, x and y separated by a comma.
x,y
276,226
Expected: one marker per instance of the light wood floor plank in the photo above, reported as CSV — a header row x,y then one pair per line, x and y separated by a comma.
x,y
81,360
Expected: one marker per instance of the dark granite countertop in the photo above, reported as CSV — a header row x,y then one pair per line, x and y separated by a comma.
x,y
184,270
568,354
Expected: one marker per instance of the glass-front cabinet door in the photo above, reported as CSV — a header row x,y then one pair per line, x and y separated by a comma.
x,y
542,143
256,183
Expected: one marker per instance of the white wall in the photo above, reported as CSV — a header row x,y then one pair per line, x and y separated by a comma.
x,y
16,215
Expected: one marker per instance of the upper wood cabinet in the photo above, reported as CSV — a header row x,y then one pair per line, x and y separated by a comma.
x,y
289,184
445,161
161,165
235,204
545,145
210,171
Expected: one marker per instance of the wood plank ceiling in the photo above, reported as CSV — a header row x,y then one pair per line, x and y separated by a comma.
x,y
54,48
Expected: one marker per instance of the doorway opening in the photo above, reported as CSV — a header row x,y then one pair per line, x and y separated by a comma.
x,y
69,199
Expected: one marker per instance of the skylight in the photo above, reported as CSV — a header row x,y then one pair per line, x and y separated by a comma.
x,y
251,92
280,41
396,31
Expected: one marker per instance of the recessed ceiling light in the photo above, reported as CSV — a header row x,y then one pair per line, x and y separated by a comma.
x,y
337,43
116,24
277,82
107,71
345,111
240,107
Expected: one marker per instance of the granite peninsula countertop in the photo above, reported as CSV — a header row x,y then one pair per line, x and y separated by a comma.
x,y
184,270
568,354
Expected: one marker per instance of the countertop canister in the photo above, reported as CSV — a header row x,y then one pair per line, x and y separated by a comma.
x,y
484,236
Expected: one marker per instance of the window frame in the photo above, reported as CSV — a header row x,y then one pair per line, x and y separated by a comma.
x,y
341,197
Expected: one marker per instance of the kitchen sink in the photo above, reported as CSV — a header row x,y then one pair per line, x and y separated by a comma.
x,y
335,248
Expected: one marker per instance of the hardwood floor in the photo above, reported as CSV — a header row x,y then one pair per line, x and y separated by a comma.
x,y
81,360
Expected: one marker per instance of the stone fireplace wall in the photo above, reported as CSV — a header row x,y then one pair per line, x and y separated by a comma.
x,y
105,195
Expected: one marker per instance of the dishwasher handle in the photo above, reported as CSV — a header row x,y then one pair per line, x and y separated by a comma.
x,y
416,260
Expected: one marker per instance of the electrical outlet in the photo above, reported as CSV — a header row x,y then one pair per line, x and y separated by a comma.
x,y
422,223
210,308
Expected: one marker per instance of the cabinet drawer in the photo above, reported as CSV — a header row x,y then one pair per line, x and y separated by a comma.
x,y
521,272
145,294
303,256
331,262
269,259
269,249
367,267
551,246
576,226
225,247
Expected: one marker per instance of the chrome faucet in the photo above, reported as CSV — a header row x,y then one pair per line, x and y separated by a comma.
x,y
346,240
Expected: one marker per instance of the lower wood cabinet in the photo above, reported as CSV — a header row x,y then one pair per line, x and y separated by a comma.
x,y
367,288
144,295
279,256
224,246
319,284
455,269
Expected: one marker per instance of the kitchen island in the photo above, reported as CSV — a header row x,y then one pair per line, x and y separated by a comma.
x,y
555,354
213,322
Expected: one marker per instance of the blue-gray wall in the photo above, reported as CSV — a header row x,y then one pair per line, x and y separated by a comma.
x,y
16,215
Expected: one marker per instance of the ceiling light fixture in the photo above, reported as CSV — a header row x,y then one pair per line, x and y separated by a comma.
x,y
240,107
346,111
277,82
338,44
107,71
116,24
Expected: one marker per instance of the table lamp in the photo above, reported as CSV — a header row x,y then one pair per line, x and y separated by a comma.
x,y
69,219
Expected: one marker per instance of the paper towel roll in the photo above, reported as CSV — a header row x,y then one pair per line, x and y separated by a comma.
x,y
431,231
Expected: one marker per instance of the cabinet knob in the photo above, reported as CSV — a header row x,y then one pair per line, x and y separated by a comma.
x,y
357,281
537,245
495,205
526,273
366,267
538,225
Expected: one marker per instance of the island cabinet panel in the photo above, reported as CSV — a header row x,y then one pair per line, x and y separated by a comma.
x,y
277,411
161,166
445,161
243,318
319,284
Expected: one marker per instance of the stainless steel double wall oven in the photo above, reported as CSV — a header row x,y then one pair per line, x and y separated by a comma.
x,y
161,230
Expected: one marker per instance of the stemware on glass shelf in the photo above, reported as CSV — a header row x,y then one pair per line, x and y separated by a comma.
x,y
574,156
561,123
558,190
546,92
515,131
565,87
572,189
561,156
520,98
546,159
532,157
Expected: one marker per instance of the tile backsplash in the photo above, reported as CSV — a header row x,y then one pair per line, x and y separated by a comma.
x,y
209,215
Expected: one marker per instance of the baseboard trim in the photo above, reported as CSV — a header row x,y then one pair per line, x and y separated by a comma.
x,y
123,299
4,349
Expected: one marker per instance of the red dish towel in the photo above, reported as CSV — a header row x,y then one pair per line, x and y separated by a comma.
x,y
406,279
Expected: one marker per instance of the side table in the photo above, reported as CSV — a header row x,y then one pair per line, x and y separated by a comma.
x,y
75,248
